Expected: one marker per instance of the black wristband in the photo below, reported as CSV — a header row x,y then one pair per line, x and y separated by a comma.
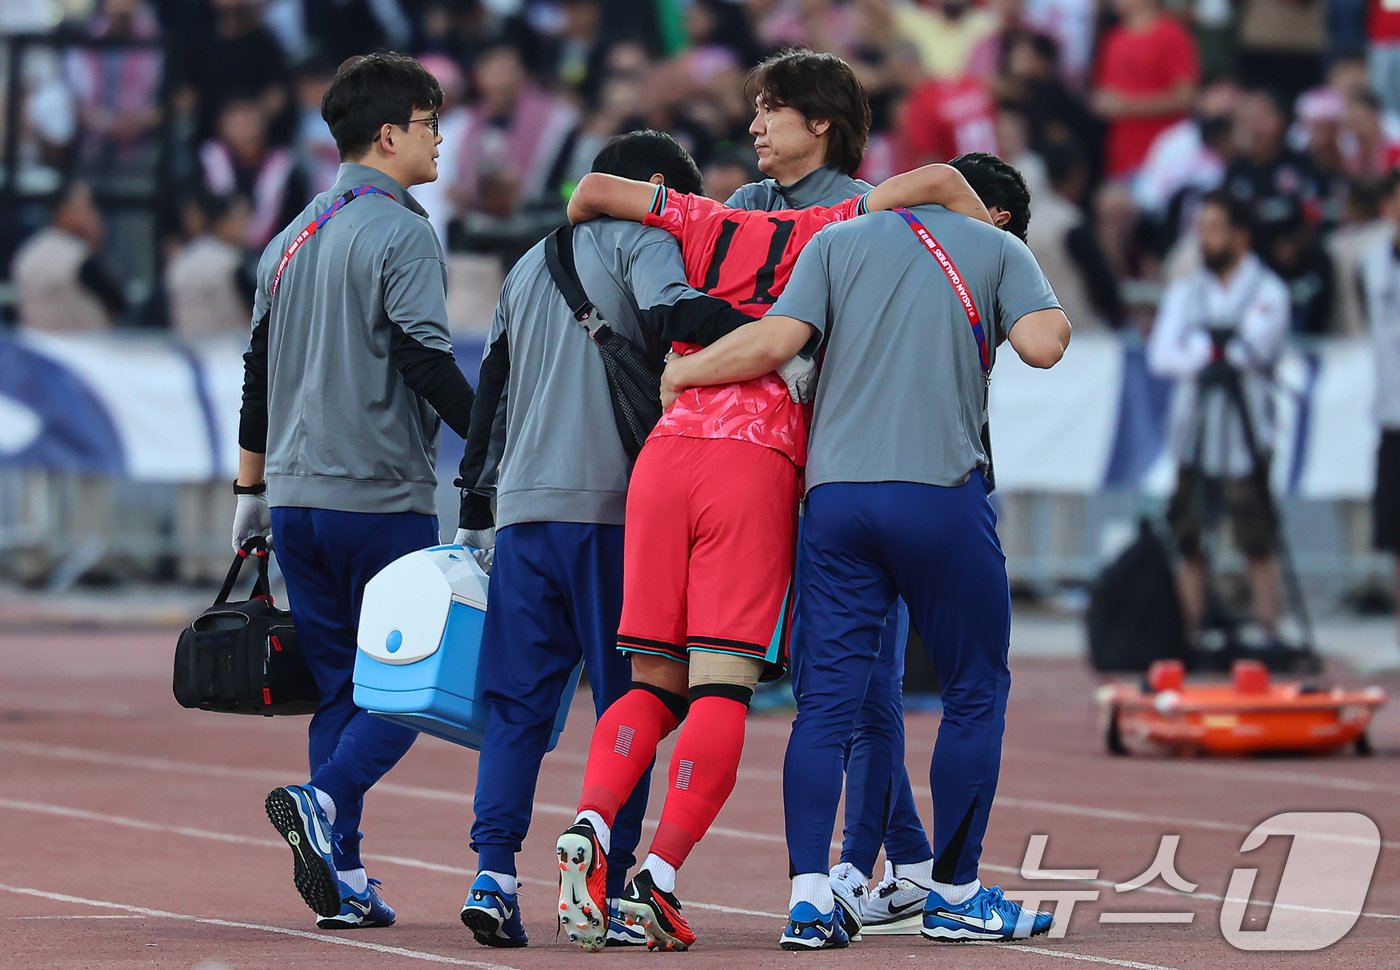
x,y
258,489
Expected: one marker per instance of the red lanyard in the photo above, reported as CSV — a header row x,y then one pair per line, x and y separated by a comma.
x,y
320,221
950,269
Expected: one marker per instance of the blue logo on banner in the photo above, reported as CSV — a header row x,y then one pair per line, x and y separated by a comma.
x,y
68,429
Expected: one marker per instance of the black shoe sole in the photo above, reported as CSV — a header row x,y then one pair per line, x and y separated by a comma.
x,y
993,940
484,929
341,927
799,948
317,882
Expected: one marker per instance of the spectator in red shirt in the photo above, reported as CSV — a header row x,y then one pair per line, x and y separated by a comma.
x,y
1383,51
946,118
1145,83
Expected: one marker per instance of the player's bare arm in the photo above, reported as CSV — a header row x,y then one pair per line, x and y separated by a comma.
x,y
1040,338
599,195
751,351
937,184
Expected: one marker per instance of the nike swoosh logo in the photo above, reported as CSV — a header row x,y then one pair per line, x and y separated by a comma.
x,y
323,842
355,904
308,814
906,907
994,925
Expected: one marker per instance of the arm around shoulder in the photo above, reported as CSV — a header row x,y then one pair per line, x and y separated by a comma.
x,y
599,195
937,184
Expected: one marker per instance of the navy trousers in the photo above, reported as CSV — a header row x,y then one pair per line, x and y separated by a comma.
x,y
327,557
880,806
862,546
555,597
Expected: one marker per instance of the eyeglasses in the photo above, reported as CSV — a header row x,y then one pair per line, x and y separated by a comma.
x,y
431,122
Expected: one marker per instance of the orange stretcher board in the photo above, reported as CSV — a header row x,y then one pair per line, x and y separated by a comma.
x,y
1248,715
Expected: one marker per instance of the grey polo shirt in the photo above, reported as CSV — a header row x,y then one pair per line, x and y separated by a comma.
x,y
901,395
344,431
826,186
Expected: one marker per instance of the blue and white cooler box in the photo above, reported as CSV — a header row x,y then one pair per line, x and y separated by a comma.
x,y
420,647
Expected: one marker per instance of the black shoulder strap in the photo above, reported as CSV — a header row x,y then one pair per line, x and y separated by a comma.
x,y
559,258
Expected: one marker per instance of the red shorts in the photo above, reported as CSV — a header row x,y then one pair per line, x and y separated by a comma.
x,y
710,542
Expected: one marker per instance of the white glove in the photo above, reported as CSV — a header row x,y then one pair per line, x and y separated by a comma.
x,y
482,543
251,518
800,376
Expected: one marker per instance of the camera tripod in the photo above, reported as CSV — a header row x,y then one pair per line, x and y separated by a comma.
x,y
1221,381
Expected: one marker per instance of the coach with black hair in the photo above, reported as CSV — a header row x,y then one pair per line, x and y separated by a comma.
x,y
348,373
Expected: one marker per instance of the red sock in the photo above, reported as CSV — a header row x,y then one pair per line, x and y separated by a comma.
x,y
704,767
623,745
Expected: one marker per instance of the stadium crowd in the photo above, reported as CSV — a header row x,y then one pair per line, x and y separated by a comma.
x,y
1121,115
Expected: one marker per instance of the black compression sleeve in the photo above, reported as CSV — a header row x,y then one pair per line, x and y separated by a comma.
x,y
434,376
486,438
252,417
698,320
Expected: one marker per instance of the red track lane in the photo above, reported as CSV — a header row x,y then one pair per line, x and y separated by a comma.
x,y
133,834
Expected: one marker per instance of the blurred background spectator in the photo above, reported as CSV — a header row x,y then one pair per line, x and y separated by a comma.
x,y
239,160
211,279
1145,82
64,286
117,88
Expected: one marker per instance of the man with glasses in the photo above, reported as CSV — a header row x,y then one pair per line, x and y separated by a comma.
x,y
348,373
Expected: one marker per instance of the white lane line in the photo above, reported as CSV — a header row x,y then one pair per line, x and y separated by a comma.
x,y
61,811
75,916
1232,773
121,821
144,912
1086,958
1173,822
109,758
397,951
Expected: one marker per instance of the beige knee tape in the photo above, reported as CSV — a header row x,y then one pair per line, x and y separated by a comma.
x,y
723,668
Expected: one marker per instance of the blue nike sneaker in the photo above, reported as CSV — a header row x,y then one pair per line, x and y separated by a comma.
x,y
809,929
622,933
493,915
360,911
988,915
299,820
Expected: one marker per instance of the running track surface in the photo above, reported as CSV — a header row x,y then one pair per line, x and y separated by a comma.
x,y
133,834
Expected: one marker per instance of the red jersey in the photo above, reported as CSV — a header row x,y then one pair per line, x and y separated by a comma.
x,y
744,258
944,119
1383,21
1151,61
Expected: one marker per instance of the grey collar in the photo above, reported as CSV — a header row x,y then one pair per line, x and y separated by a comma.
x,y
815,187
351,174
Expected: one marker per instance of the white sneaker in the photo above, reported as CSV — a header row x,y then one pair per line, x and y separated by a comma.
x,y
895,907
848,886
